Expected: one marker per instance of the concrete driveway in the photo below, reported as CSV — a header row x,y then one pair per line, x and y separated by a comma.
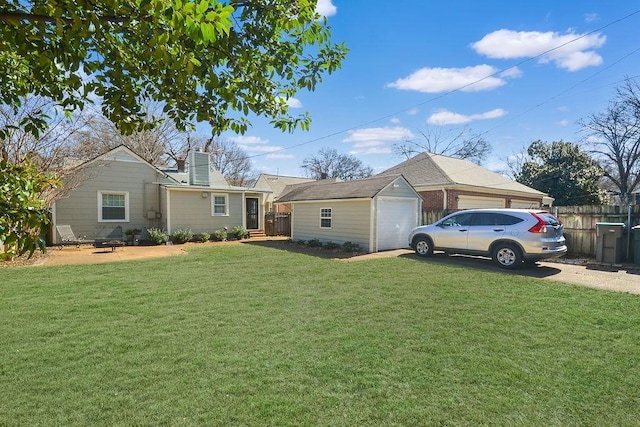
x,y
622,278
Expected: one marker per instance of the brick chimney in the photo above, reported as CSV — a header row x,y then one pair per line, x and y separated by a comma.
x,y
180,165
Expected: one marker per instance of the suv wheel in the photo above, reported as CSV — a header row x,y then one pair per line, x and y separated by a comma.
x,y
423,246
508,256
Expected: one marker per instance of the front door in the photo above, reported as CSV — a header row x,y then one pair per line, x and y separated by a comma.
x,y
252,213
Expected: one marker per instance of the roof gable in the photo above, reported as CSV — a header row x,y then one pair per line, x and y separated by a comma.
x,y
428,169
277,183
331,190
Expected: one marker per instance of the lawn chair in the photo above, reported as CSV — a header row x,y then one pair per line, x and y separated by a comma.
x,y
67,237
113,240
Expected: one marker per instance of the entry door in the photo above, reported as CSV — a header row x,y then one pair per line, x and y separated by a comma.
x,y
252,213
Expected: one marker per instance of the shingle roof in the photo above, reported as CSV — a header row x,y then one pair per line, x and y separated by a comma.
x,y
329,190
428,169
277,183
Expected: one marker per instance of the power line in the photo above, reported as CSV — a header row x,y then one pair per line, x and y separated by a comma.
x,y
460,88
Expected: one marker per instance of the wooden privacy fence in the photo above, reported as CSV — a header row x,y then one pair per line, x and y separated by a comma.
x,y
579,223
277,224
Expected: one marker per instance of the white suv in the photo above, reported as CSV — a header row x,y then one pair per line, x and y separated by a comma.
x,y
509,236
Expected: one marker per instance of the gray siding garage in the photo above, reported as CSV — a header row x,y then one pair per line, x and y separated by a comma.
x,y
376,213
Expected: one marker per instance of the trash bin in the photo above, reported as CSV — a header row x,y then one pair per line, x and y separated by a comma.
x,y
609,242
636,244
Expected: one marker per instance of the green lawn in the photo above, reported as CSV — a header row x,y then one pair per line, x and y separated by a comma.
x,y
250,335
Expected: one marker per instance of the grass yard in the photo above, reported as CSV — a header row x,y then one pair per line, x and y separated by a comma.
x,y
248,335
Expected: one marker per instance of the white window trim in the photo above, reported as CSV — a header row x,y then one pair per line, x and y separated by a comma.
x,y
213,204
330,218
126,205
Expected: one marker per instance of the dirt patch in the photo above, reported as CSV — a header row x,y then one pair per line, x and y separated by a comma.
x,y
24,260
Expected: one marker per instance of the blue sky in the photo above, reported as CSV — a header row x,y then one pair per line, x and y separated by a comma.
x,y
445,67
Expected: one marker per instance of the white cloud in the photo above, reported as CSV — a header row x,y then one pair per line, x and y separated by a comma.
x,y
576,51
591,17
413,111
513,72
376,140
563,123
248,140
468,79
446,117
326,8
280,156
395,120
294,103
259,148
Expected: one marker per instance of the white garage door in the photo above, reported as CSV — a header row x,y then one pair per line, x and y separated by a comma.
x,y
524,204
475,202
396,219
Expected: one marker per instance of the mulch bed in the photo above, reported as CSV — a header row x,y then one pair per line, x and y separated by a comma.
x,y
24,260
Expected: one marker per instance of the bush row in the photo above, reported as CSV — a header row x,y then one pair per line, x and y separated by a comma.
x,y
159,236
346,246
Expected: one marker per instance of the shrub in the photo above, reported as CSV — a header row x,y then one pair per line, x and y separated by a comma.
x,y
238,232
351,247
331,245
157,236
300,242
204,237
182,235
220,235
314,243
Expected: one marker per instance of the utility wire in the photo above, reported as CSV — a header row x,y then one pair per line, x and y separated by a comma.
x,y
458,89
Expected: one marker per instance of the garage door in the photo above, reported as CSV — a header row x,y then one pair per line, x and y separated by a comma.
x,y
396,219
476,202
524,204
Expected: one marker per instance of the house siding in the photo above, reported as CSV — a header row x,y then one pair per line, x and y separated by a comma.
x,y
188,209
350,222
124,175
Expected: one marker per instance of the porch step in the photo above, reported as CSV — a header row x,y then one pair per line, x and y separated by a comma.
x,y
256,233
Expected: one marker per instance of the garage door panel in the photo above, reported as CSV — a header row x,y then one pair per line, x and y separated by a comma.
x,y
476,202
396,219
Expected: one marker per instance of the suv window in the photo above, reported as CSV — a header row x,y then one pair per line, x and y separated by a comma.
x,y
484,218
504,219
458,220
548,218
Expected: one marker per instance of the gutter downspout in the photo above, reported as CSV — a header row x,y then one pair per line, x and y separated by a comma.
x,y
629,232
168,201
445,199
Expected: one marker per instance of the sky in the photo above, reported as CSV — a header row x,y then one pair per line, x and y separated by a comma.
x,y
513,72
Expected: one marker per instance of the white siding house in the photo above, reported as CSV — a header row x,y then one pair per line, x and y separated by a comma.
x,y
376,213
119,190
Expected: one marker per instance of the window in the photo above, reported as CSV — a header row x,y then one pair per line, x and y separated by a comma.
x,y
504,219
461,219
113,206
489,219
219,205
325,218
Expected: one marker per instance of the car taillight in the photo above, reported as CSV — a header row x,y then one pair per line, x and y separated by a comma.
x,y
540,227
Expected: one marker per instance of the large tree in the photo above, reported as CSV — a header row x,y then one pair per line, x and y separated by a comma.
x,y
613,137
563,171
204,61
328,163
231,161
22,211
462,144
99,135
